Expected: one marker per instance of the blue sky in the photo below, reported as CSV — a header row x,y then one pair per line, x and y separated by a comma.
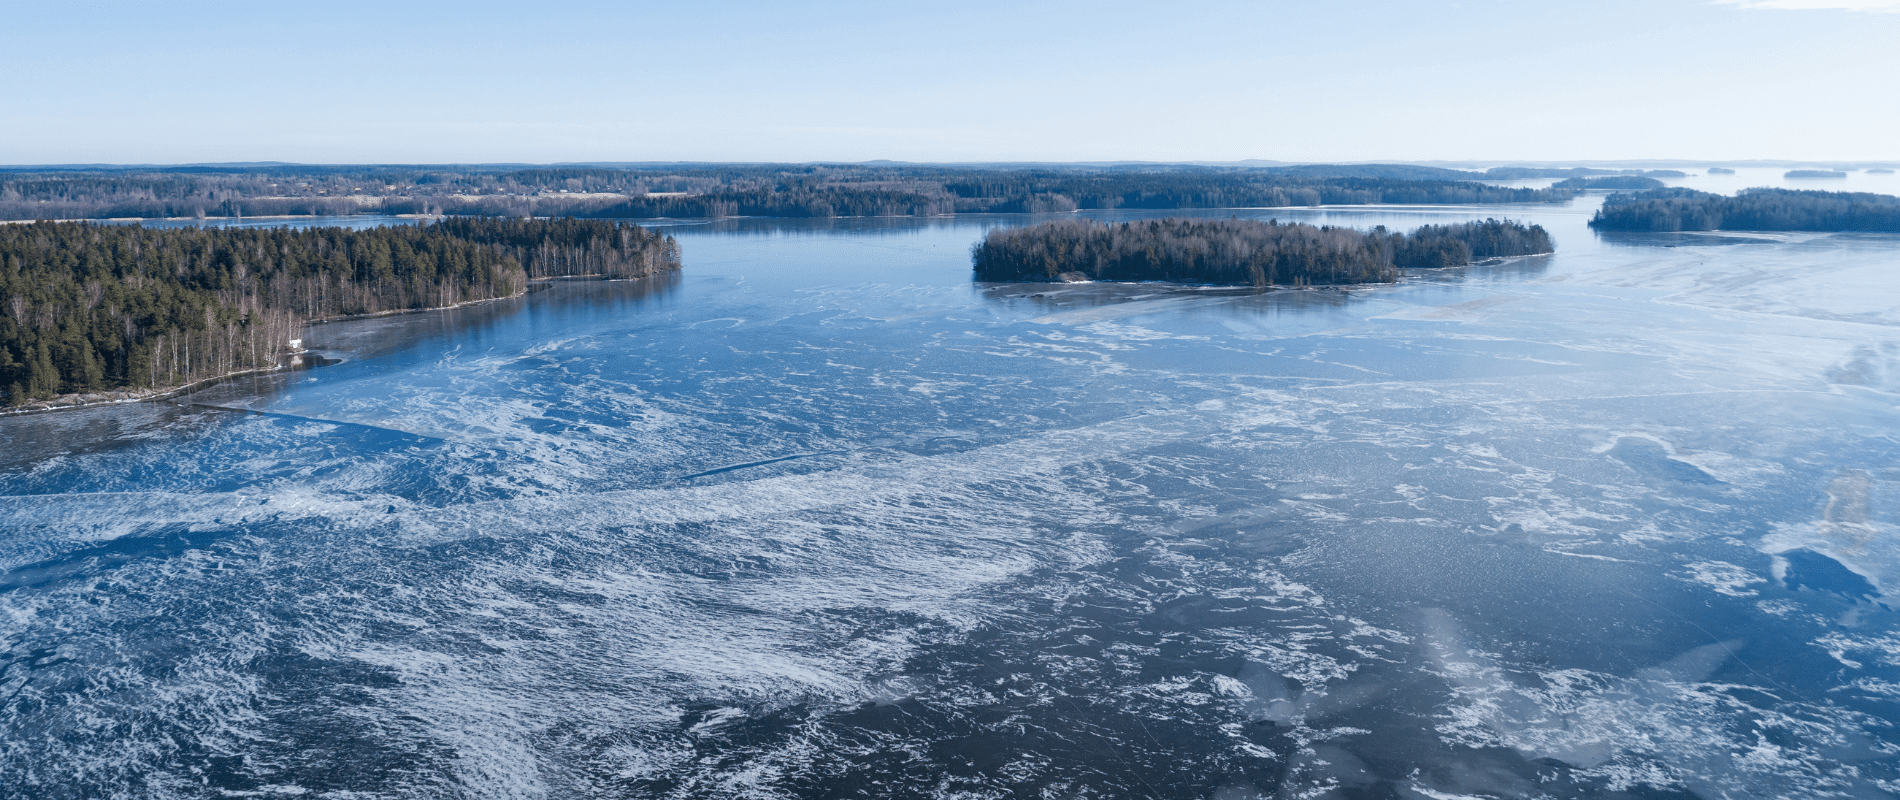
x,y
399,81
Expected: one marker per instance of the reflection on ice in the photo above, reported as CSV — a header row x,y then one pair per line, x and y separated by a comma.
x,y
1846,551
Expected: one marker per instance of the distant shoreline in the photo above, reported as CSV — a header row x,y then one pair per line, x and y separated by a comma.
x,y
208,219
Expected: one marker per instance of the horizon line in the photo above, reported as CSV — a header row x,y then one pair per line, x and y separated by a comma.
x,y
1256,162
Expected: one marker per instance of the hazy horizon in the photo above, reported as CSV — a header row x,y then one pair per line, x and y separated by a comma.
x,y
1466,164
1491,80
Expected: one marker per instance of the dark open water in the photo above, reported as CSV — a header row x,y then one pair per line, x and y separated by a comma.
x,y
822,518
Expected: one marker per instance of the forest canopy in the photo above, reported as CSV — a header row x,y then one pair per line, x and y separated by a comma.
x,y
1681,209
90,307
1240,252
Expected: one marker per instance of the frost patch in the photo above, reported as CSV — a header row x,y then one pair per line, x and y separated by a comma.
x,y
1883,649
1664,726
1724,577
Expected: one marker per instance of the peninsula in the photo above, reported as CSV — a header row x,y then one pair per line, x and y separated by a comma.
x,y
91,307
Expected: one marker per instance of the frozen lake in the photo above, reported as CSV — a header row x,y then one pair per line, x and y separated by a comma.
x,y
820,517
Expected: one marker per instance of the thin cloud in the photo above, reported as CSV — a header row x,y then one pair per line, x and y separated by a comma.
x,y
1871,6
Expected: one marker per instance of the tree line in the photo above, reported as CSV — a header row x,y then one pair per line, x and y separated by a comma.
x,y
553,248
1240,252
1762,209
1031,192
777,190
90,307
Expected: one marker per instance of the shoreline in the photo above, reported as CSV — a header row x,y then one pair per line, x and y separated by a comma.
x,y
1404,273
115,397
208,219
523,293
398,311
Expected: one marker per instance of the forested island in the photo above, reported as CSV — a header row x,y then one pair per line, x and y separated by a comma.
x,y
1880,171
1813,173
93,307
1612,183
783,190
1681,209
1721,171
1240,252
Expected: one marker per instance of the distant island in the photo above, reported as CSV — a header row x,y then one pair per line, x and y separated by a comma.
x,y
713,191
92,307
1880,171
1240,252
1613,183
1681,209
1813,173
1721,171
1519,173
1522,173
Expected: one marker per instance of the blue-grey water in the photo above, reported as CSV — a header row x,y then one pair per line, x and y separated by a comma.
x,y
820,517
